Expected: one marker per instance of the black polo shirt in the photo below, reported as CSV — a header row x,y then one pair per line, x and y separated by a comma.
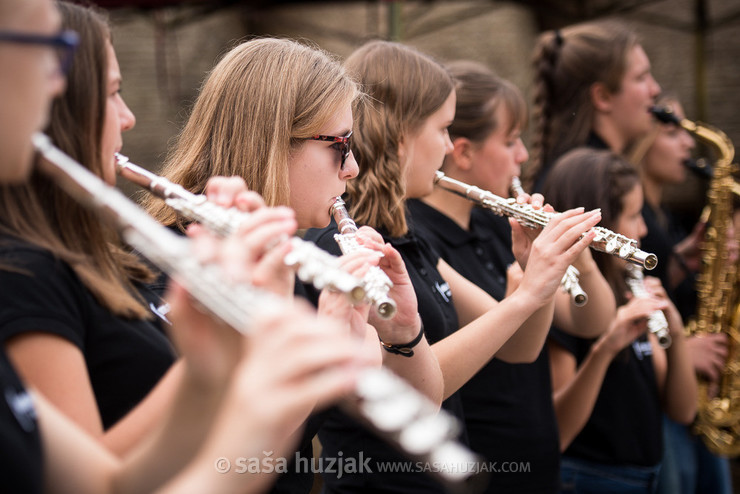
x,y
21,458
343,437
508,408
625,427
660,240
125,358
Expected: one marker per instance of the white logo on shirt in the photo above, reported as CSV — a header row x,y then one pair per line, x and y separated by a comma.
x,y
21,404
444,290
642,349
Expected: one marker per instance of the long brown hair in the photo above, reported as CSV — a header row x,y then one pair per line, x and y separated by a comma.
x,y
567,63
42,214
404,87
480,93
593,179
253,112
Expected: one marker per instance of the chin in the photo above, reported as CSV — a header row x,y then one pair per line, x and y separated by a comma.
x,y
11,173
317,223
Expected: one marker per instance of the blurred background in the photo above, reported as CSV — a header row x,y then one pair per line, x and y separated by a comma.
x,y
166,47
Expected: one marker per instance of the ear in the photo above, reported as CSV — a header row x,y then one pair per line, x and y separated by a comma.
x,y
601,97
401,149
462,153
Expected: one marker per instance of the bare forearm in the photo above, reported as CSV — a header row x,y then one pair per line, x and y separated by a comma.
x,y
138,424
175,442
575,401
422,370
680,392
592,320
525,345
462,354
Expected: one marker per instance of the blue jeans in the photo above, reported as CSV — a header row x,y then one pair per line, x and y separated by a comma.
x,y
689,467
585,477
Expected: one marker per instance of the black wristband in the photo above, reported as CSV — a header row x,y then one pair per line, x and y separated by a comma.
x,y
405,349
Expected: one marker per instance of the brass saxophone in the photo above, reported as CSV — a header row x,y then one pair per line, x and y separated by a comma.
x,y
718,307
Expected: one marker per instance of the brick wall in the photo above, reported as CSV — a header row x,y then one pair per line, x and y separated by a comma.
x,y
165,56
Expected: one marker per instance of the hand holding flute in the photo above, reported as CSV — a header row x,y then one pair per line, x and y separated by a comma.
x,y
657,322
379,398
605,240
311,264
376,282
569,283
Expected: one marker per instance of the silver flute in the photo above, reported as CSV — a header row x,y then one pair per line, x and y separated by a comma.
x,y
657,323
312,264
570,282
390,406
376,282
606,240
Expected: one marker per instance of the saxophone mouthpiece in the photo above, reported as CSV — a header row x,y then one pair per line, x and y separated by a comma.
x,y
700,167
665,115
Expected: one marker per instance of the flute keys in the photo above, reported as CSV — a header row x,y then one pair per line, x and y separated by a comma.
x,y
626,251
611,245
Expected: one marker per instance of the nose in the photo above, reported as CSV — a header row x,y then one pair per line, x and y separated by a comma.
x,y
687,140
654,87
448,144
522,153
350,169
641,228
126,116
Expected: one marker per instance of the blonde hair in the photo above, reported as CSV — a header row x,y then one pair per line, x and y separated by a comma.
x,y
404,87
253,111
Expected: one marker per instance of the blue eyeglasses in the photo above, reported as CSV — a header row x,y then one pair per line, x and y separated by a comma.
x,y
65,43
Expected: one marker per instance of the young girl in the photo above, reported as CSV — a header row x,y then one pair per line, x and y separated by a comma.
x,y
288,136
593,87
508,407
76,320
45,451
661,158
400,141
620,446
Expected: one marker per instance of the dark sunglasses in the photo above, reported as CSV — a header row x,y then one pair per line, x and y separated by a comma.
x,y
342,144
65,43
